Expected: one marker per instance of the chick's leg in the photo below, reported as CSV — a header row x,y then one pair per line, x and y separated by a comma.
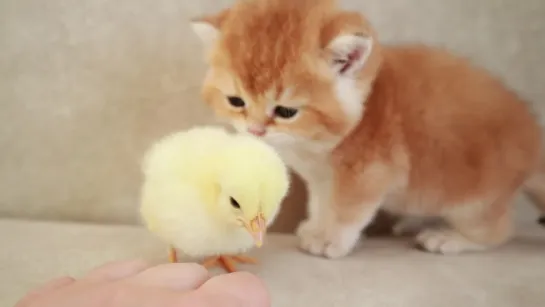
x,y
228,263
172,255
245,259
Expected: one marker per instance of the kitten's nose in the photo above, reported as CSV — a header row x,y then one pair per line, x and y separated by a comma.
x,y
257,130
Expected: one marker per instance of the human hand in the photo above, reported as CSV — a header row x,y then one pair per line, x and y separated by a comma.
x,y
135,284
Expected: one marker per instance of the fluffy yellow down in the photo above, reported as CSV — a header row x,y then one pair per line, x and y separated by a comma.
x,y
190,178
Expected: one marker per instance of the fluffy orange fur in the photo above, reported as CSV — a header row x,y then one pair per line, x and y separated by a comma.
x,y
410,129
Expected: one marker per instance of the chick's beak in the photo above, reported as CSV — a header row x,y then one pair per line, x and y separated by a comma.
x,y
257,227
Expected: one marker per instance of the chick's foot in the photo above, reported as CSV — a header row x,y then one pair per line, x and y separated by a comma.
x,y
227,262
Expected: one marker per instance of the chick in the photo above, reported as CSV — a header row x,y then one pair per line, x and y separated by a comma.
x,y
212,194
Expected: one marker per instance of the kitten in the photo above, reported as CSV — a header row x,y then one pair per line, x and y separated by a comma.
x,y
412,130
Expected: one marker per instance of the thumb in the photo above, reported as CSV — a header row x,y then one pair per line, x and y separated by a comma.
x,y
235,289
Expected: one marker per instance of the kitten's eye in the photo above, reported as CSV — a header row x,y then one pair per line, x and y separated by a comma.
x,y
236,102
285,112
234,203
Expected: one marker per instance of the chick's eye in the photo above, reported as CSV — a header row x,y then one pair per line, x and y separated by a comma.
x,y
234,203
236,101
285,112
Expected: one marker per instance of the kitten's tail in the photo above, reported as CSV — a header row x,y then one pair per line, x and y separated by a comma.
x,y
534,187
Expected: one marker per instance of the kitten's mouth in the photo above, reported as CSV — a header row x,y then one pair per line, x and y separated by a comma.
x,y
258,131
269,136
255,130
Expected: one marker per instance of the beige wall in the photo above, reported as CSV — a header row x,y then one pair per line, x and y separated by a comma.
x,y
86,85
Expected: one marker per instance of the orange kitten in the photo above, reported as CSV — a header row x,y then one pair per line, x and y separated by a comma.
x,y
409,129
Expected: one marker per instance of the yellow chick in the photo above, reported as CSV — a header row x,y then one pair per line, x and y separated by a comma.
x,y
212,194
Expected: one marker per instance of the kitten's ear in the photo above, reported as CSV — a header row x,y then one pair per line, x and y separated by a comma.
x,y
349,52
206,32
208,28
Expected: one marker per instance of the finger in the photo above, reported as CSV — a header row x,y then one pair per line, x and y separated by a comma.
x,y
134,295
230,290
44,289
117,270
211,299
175,276
242,287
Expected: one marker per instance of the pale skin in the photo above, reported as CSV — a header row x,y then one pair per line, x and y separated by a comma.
x,y
136,284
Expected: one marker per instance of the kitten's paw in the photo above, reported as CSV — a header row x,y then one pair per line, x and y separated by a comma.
x,y
445,241
334,241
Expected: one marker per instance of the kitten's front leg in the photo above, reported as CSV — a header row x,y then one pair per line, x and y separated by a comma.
x,y
312,231
336,219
